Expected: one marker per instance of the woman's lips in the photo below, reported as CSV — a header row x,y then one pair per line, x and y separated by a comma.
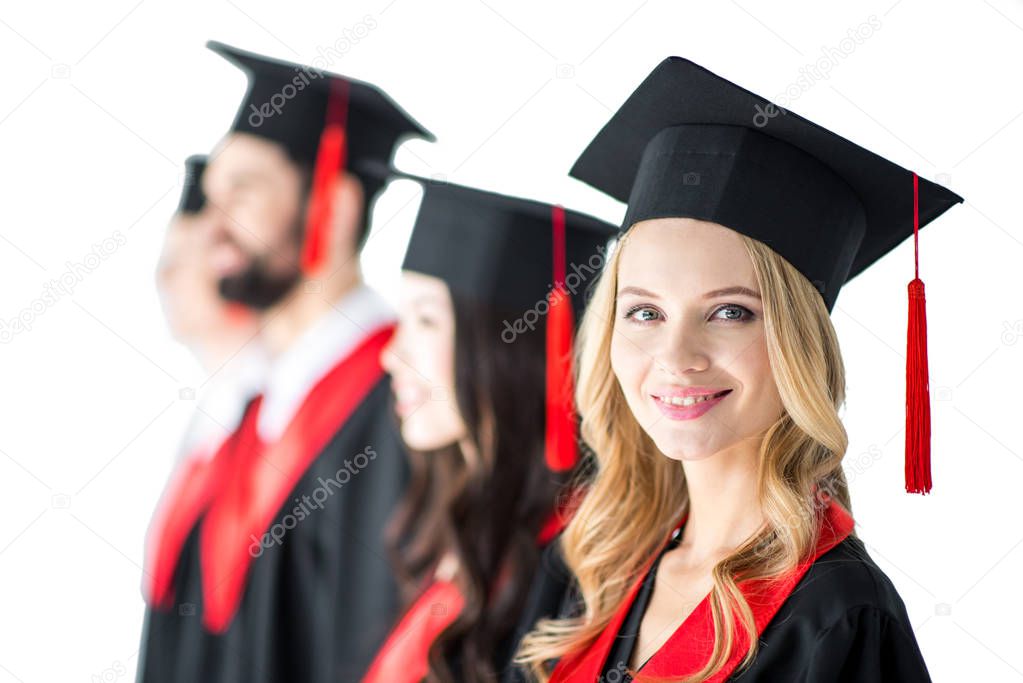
x,y
407,400
690,412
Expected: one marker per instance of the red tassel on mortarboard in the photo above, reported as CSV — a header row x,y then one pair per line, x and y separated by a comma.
x,y
560,449
330,159
918,401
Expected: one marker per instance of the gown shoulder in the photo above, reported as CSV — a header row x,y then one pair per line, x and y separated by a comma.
x,y
844,621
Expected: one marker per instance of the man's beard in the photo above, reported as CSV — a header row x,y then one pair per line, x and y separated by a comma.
x,y
256,287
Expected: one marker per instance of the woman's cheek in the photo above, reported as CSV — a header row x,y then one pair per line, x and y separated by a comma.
x,y
627,365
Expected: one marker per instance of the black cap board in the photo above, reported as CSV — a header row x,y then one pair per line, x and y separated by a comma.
x,y
498,248
688,143
287,103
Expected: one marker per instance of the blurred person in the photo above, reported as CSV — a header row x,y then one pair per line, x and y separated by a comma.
x,y
223,337
481,377
284,574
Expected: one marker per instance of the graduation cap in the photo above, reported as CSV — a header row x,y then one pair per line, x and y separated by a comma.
x,y
192,197
323,120
520,255
688,143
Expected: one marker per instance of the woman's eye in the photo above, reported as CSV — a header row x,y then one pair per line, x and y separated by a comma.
x,y
641,314
734,312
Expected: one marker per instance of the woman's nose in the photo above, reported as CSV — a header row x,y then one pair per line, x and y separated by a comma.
x,y
683,350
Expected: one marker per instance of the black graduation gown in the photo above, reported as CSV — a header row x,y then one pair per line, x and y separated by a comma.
x,y
843,621
315,607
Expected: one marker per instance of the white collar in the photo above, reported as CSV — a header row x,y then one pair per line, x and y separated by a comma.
x,y
296,371
222,402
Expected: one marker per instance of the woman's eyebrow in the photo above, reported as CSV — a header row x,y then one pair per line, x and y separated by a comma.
x,y
426,300
638,291
727,291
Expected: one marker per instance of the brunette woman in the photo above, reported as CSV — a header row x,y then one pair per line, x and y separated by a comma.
x,y
480,366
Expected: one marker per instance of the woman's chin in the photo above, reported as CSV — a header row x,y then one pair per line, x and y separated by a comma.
x,y
420,436
683,450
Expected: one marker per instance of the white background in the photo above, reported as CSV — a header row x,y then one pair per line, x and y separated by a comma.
x,y
100,103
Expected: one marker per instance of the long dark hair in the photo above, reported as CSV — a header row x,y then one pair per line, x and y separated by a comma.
x,y
487,513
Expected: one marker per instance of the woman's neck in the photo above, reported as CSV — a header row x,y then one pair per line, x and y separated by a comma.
x,y
724,510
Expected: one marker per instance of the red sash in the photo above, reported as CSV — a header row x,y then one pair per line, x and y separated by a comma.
x,y
404,658
255,484
187,494
689,648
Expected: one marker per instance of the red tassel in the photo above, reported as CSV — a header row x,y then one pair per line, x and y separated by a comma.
x,y
918,402
561,440
330,159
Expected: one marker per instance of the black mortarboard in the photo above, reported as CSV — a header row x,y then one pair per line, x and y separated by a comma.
x,y
688,143
498,249
192,197
287,103
522,256
325,121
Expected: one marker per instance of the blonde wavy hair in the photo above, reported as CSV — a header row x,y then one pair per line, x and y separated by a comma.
x,y
637,495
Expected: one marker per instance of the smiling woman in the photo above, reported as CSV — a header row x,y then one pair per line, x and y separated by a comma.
x,y
683,350
716,538
670,338
485,416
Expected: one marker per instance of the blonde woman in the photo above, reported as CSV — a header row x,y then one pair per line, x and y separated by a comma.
x,y
716,541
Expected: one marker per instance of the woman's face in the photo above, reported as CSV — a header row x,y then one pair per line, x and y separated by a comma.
x,y
685,332
421,361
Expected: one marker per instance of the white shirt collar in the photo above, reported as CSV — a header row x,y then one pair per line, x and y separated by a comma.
x,y
222,402
296,371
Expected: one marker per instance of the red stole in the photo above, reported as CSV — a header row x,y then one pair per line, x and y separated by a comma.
x,y
187,494
689,648
255,483
404,656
